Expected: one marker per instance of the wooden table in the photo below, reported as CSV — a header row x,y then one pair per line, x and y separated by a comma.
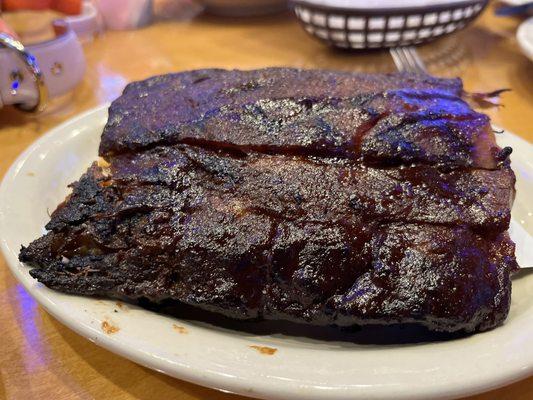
x,y
42,359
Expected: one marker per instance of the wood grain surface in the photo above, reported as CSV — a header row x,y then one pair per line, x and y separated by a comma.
x,y
42,359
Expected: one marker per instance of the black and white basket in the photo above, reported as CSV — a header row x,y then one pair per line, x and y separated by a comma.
x,y
363,28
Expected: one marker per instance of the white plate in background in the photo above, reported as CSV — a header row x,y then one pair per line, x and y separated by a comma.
x,y
222,358
524,35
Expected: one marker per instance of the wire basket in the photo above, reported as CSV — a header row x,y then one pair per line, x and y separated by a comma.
x,y
382,28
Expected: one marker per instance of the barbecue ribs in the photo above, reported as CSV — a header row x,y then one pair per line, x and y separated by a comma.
x,y
313,196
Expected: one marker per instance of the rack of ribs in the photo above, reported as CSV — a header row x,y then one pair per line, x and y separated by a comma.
x,y
320,197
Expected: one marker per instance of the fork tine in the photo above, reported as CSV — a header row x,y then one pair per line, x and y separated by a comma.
x,y
409,59
402,60
397,59
421,67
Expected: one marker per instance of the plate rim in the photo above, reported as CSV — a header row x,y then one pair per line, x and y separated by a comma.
x,y
211,378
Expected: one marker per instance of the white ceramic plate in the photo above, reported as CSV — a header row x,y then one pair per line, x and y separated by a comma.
x,y
524,35
222,358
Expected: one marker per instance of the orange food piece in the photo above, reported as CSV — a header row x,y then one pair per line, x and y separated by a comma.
x,y
70,7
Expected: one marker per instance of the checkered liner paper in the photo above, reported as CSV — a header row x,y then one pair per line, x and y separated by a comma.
x,y
380,28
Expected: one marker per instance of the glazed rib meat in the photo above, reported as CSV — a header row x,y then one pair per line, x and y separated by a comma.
x,y
313,196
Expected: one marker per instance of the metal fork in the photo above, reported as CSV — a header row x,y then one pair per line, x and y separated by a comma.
x,y
406,59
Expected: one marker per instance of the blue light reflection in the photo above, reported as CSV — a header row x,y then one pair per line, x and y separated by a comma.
x,y
28,313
